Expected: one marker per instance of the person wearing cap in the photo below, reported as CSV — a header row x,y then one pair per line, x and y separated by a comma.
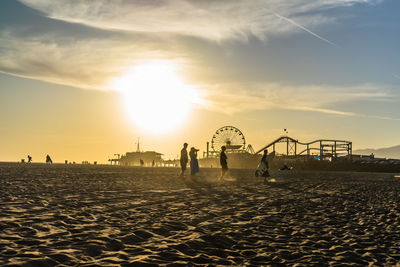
x,y
184,159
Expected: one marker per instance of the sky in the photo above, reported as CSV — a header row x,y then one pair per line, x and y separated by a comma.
x,y
320,69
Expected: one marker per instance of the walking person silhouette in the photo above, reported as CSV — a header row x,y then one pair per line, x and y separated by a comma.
x,y
263,167
48,159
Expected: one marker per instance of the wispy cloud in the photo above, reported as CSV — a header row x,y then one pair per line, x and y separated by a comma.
x,y
145,29
213,19
323,110
150,29
84,63
382,118
318,98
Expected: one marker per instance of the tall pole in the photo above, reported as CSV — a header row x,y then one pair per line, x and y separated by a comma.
x,y
321,150
335,150
138,145
287,146
350,149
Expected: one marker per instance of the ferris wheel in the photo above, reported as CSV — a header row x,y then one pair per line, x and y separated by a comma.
x,y
228,136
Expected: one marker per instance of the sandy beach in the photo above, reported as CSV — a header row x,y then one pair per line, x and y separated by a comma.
x,y
124,216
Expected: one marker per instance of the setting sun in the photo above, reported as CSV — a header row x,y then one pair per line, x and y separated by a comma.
x,y
155,96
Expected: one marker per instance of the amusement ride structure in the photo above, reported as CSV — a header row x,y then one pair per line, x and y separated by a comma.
x,y
230,137
323,148
321,154
241,154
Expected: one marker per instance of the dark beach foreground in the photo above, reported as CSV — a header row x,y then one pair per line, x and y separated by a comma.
x,y
123,216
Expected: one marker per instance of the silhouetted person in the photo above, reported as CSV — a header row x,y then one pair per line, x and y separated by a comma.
x,y
184,159
153,163
29,159
194,164
262,169
141,162
48,159
223,161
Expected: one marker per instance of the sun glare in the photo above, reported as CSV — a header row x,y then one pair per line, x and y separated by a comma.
x,y
155,96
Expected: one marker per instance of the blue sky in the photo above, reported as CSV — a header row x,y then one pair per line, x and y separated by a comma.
x,y
254,62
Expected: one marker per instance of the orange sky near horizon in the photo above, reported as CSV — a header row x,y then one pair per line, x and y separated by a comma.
x,y
86,125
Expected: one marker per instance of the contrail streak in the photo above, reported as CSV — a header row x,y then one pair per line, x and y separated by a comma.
x,y
305,29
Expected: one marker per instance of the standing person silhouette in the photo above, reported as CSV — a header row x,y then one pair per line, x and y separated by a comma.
x,y
48,159
264,159
223,161
29,159
194,164
184,159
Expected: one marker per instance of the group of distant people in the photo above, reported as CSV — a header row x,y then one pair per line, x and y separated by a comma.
x,y
262,168
194,163
261,171
153,163
48,159
184,159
